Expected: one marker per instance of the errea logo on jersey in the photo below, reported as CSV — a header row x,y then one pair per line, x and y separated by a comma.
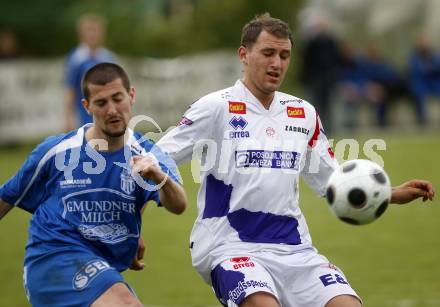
x,y
237,107
296,112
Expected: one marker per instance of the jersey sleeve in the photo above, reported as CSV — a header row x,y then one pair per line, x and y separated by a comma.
x,y
27,188
196,124
320,161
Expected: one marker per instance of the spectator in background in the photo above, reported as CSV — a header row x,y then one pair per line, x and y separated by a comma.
x,y
352,82
8,46
382,81
319,68
366,77
424,75
90,51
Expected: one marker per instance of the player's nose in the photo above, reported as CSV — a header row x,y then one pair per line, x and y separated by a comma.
x,y
275,63
111,108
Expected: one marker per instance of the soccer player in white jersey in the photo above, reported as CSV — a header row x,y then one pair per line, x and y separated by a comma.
x,y
250,240
86,190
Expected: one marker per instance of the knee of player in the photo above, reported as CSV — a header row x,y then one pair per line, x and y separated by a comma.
x,y
260,299
132,303
128,300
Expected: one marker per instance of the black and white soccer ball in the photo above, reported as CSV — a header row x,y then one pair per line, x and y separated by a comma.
x,y
358,192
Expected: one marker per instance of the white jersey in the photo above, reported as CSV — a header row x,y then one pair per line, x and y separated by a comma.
x,y
249,198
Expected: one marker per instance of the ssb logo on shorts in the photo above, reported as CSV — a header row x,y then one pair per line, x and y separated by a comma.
x,y
127,182
88,273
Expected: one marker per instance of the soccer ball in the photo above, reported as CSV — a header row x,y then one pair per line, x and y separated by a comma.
x,y
358,192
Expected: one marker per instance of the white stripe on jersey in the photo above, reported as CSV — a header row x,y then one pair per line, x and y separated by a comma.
x,y
75,141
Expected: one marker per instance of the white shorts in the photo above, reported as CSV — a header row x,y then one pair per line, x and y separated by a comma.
x,y
302,279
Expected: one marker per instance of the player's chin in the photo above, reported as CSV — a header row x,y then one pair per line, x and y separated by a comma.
x,y
272,87
114,133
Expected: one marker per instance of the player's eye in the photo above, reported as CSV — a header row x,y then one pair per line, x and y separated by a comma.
x,y
285,55
118,98
100,103
268,53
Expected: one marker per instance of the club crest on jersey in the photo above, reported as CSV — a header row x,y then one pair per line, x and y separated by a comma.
x,y
237,107
127,182
296,112
270,131
238,123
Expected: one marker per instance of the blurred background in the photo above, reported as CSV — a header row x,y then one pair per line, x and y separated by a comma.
x,y
371,68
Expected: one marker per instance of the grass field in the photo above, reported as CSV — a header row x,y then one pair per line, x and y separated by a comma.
x,y
393,262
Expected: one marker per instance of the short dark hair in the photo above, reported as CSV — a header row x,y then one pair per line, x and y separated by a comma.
x,y
274,26
103,73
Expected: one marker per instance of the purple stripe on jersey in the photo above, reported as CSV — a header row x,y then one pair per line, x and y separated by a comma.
x,y
225,282
260,227
218,195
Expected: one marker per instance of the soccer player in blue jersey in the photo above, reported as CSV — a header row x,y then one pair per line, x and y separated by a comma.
x,y
250,240
86,190
89,52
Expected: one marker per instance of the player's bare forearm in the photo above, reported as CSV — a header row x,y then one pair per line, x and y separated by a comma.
x,y
412,190
137,264
171,194
4,208
173,197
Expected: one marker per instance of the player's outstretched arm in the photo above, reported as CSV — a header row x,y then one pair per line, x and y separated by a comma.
x,y
4,208
412,190
171,194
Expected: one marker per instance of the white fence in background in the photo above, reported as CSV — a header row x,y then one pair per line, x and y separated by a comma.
x,y
32,96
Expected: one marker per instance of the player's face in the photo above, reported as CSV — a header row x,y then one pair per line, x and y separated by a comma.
x,y
92,33
110,105
265,63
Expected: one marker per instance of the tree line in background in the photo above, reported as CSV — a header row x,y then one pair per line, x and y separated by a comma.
x,y
157,28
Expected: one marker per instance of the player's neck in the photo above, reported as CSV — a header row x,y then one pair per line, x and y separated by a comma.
x,y
94,49
102,142
264,98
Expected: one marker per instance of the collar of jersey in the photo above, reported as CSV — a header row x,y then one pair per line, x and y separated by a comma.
x,y
245,95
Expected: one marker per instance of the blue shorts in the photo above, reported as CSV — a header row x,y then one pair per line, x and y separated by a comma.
x,y
67,277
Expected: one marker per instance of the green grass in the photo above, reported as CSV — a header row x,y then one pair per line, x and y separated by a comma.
x,y
390,263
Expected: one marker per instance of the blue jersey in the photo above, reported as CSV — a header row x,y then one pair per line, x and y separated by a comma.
x,y
83,198
79,61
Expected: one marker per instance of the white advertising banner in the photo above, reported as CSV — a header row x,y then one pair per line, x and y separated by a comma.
x,y
32,95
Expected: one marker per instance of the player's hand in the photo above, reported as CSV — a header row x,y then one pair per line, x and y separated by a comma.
x,y
137,264
147,168
411,190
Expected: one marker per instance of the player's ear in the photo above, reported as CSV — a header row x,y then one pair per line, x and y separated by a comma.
x,y
242,53
132,94
86,105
